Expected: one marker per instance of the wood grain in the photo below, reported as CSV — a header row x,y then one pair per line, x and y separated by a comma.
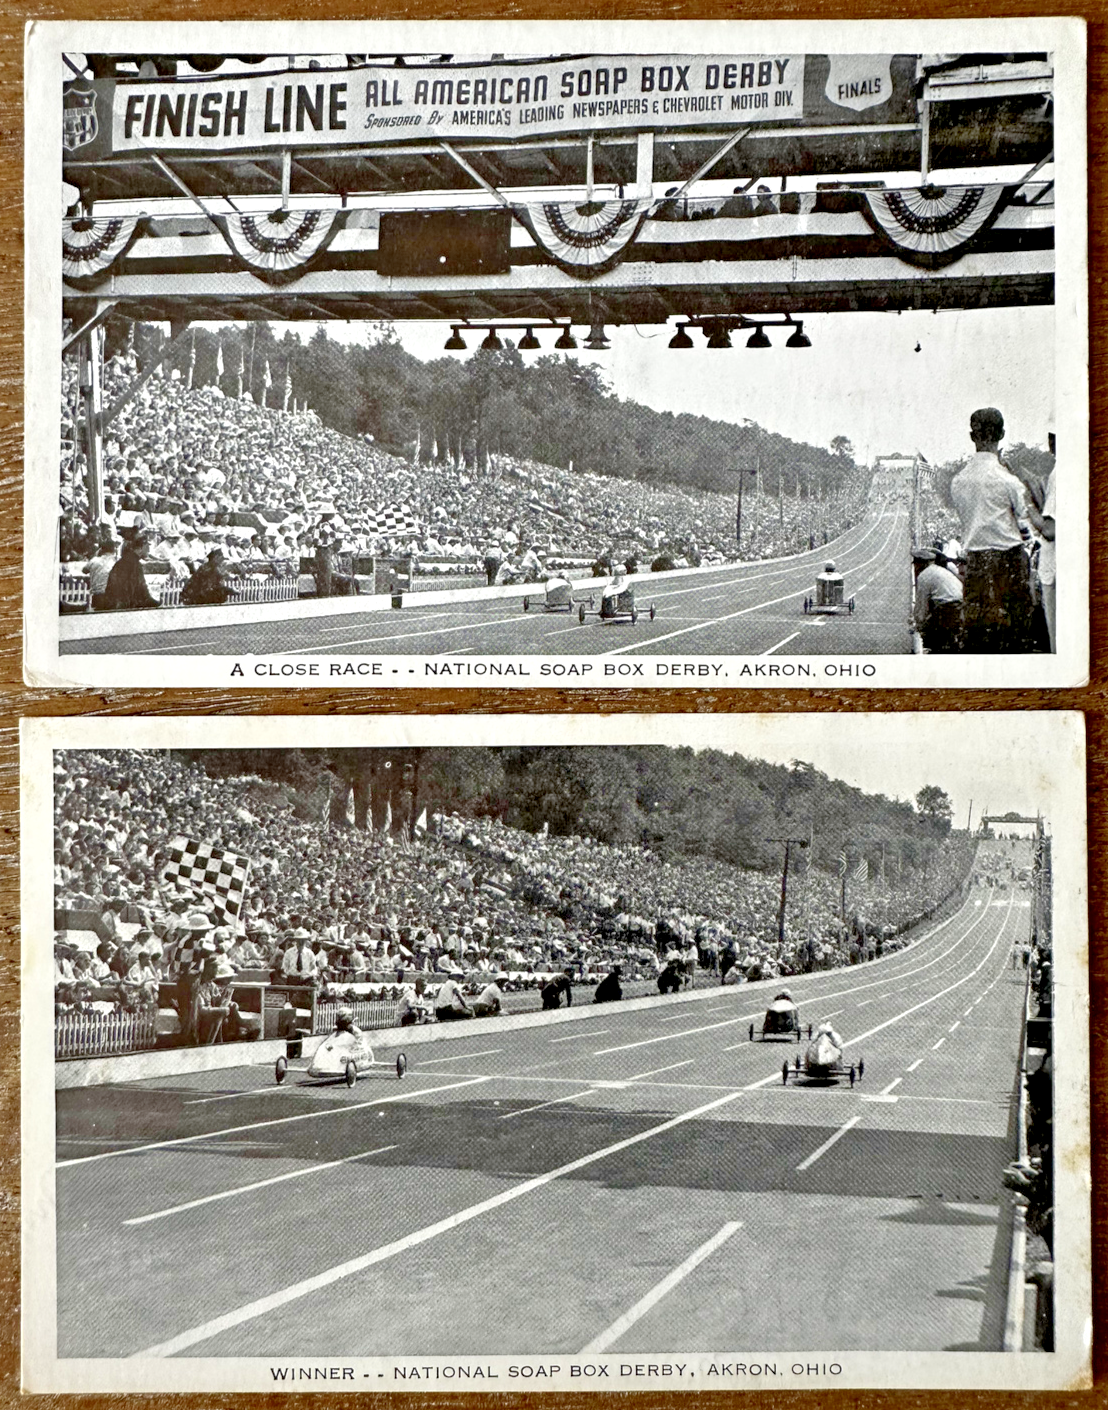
x,y
19,701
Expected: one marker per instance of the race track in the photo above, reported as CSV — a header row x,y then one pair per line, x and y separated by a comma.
x,y
618,1181
754,609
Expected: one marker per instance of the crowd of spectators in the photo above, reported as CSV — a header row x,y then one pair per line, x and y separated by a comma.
x,y
366,913
195,472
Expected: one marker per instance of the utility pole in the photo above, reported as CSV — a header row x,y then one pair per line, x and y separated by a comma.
x,y
781,909
743,472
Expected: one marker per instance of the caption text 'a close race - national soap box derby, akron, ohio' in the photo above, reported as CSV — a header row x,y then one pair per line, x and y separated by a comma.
x,y
764,1039
557,354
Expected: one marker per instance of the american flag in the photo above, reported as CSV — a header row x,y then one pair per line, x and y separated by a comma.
x,y
842,862
861,871
215,876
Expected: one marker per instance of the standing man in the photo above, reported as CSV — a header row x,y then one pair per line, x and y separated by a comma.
x,y
1042,521
990,503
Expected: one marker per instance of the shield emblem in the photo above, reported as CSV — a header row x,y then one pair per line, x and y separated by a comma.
x,y
859,81
79,125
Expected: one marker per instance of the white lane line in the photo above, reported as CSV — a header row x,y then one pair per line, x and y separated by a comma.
x,y
576,1037
941,993
834,994
229,1096
204,1331
914,1065
672,1018
778,645
744,611
894,1083
822,1150
406,636
256,1185
638,1077
953,1026
276,1121
459,1057
659,1290
969,1010
936,1046
554,1101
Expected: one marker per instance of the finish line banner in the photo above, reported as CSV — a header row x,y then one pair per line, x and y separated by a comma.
x,y
598,93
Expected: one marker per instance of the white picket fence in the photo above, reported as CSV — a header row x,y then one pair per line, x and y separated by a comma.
x,y
99,1034
74,591
368,1013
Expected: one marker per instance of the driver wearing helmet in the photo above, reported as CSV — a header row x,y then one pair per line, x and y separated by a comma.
x,y
344,1023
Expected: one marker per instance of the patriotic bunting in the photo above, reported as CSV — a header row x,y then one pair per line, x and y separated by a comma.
x,y
932,225
91,246
278,247
585,240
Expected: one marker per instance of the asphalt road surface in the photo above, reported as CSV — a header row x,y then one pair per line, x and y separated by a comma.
x,y
737,610
618,1181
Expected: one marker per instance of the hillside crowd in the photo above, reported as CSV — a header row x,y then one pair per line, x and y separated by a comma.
x,y
195,471
369,913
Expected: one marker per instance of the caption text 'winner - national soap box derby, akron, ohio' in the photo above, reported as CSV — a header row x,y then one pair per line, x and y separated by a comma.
x,y
763,1037
406,355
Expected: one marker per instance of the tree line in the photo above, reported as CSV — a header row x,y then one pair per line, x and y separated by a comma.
x,y
677,802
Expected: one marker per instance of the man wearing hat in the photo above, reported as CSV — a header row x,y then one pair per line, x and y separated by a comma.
x,y
126,586
192,953
299,962
938,606
214,1005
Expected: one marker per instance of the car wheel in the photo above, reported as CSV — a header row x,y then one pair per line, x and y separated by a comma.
x,y
652,611
634,616
581,614
351,1073
526,604
401,1064
282,1069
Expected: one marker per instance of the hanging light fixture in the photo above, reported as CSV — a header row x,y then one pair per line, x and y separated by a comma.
x,y
758,339
528,343
799,339
455,343
596,339
491,343
566,341
681,338
718,335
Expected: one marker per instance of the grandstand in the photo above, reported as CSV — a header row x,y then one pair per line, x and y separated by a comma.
x,y
442,894
197,470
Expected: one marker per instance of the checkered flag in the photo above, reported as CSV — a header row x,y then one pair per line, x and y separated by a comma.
x,y
398,521
218,877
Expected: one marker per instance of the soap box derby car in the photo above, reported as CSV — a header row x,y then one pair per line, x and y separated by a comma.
x,y
782,1018
617,602
829,599
823,1060
342,1056
557,597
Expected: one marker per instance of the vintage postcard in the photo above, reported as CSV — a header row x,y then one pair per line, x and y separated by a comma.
x,y
557,354
417,1054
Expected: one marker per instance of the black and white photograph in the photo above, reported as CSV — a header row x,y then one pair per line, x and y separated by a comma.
x,y
560,354
420,1054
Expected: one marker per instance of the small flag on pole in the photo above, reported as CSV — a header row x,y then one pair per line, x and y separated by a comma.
x,y
861,871
842,862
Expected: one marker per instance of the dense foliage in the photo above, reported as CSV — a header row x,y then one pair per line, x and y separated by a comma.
x,y
677,802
